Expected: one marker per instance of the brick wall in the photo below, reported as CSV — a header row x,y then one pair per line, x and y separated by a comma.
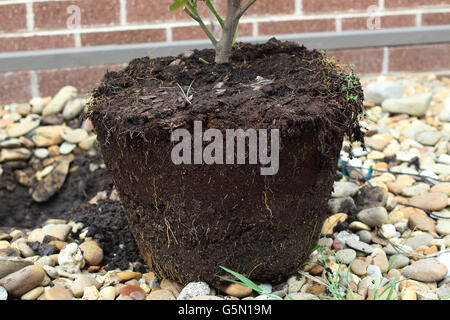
x,y
43,24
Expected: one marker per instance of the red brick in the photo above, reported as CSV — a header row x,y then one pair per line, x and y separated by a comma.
x,y
13,17
260,7
83,78
413,3
188,33
297,26
123,37
385,22
321,6
156,11
15,87
429,19
420,58
367,60
36,43
192,33
267,7
54,15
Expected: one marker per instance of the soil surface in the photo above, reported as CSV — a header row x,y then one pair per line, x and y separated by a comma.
x,y
17,208
188,220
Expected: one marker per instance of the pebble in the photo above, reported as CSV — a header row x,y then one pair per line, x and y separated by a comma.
x,y
14,154
24,126
381,91
358,226
51,184
428,138
41,153
81,283
445,260
33,294
426,270
346,256
344,189
71,259
374,272
3,294
421,222
341,205
359,246
423,239
194,289
415,190
92,253
359,267
87,143
443,227
58,293
373,217
91,293
73,108
108,293
236,290
294,284
331,222
10,265
129,275
398,261
38,104
74,136
388,231
23,280
380,260
443,292
59,100
416,105
47,136
444,113
441,187
162,294
432,201
66,148
365,236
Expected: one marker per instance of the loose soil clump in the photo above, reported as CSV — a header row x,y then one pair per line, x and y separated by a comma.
x,y
107,225
17,208
190,219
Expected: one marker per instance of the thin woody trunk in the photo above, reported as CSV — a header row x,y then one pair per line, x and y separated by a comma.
x,y
223,47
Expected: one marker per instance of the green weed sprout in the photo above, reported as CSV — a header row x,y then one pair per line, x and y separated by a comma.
x,y
186,94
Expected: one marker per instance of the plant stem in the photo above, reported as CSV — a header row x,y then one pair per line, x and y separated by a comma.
x,y
229,26
191,10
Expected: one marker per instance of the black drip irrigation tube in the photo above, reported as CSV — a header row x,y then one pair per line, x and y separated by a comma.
x,y
369,175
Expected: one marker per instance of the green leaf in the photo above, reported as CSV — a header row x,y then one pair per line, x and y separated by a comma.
x,y
177,4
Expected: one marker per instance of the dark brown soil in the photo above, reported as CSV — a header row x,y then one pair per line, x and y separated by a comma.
x,y
17,208
107,225
190,219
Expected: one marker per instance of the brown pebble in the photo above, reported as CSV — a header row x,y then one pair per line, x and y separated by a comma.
x,y
132,282
58,244
58,293
125,291
137,295
92,253
22,281
128,275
